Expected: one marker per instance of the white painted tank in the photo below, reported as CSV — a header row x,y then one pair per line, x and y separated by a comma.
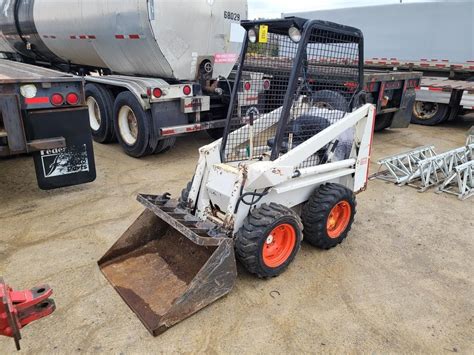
x,y
161,38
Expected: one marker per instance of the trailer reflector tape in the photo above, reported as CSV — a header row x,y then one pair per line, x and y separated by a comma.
x,y
82,37
37,100
167,132
131,36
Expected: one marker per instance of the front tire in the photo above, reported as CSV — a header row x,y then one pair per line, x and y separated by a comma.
x,y
269,240
328,215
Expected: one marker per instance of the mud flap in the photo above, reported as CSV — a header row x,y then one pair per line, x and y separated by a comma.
x,y
168,265
61,167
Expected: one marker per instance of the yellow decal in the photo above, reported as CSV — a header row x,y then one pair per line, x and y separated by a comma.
x,y
263,34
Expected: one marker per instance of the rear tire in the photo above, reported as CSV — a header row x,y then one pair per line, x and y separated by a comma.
x,y
133,125
269,240
328,215
215,133
164,145
331,100
100,102
429,113
383,121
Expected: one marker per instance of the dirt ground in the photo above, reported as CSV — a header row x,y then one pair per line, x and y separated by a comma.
x,y
402,282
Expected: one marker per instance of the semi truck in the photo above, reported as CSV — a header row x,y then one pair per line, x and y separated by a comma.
x,y
435,38
154,69
157,69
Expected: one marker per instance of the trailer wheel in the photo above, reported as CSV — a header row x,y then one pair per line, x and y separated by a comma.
x,y
383,121
328,215
100,102
132,125
331,100
429,113
269,240
215,133
164,145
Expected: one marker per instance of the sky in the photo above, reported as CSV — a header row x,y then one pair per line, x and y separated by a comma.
x,y
274,8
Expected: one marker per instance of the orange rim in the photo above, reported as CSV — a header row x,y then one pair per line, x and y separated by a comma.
x,y
279,245
338,219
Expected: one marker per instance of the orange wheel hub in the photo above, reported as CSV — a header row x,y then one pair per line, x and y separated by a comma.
x,y
338,219
279,245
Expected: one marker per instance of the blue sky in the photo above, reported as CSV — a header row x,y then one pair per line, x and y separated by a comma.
x,y
274,8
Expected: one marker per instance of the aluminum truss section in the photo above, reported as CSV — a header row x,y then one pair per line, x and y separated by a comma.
x,y
401,168
435,170
460,182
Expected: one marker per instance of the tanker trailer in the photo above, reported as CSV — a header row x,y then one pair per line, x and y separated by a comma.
x,y
154,69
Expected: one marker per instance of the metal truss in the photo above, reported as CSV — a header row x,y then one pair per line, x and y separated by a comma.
x,y
423,169
460,182
400,168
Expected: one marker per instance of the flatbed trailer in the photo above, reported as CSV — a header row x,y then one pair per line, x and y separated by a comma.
x,y
446,90
43,112
392,92
433,37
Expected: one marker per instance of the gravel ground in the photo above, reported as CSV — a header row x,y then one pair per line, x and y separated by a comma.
x,y
402,282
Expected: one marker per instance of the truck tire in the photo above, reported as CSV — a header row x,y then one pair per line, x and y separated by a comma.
x,y
164,145
330,99
133,125
383,121
100,102
429,113
269,240
215,133
328,215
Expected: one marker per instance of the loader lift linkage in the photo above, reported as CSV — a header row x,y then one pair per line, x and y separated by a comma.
x,y
288,167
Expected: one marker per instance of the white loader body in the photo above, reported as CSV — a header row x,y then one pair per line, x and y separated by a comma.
x,y
222,184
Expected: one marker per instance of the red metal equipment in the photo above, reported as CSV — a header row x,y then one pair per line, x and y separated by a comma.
x,y
20,308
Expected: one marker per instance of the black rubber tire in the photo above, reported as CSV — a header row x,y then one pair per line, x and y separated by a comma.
x,y
250,239
316,213
441,115
215,133
141,147
105,101
183,199
383,121
333,99
164,145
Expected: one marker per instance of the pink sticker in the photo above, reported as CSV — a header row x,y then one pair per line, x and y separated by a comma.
x,y
225,58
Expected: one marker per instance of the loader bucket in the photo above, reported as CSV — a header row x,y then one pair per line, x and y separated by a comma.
x,y
169,265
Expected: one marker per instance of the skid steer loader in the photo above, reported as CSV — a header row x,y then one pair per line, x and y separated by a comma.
x,y
287,168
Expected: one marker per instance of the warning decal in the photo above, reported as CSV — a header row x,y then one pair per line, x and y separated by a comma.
x,y
64,161
225,58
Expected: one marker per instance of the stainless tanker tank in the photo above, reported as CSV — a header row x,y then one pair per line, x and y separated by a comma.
x,y
161,38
